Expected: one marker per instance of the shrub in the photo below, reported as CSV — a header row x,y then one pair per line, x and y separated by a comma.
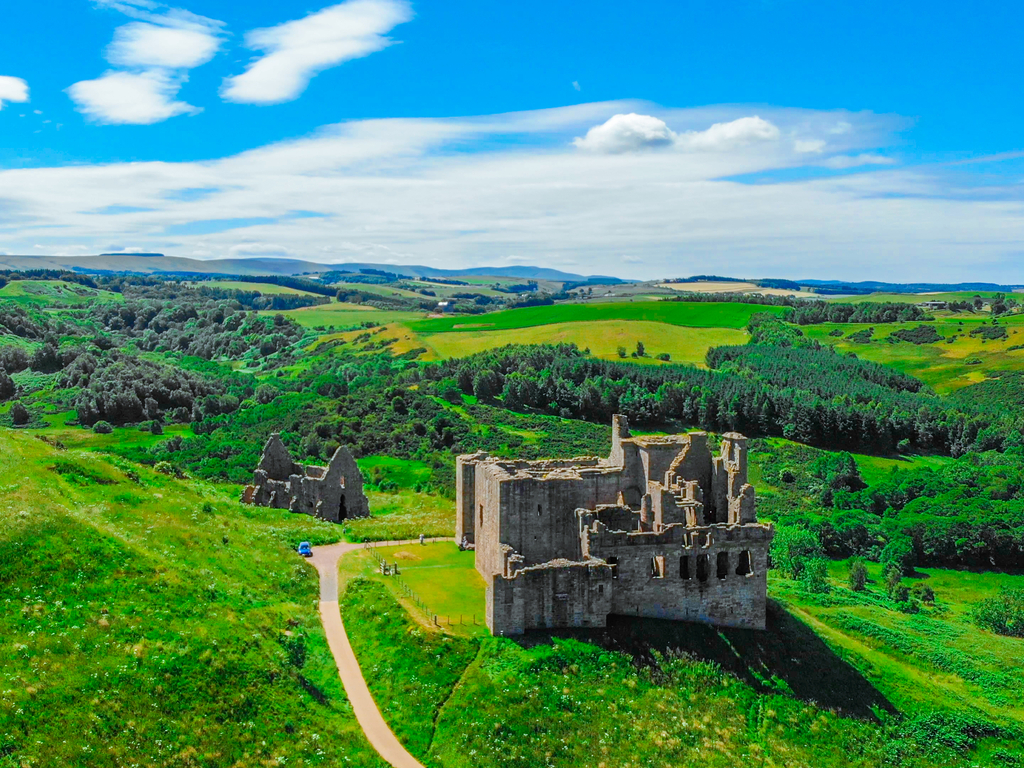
x,y
923,592
815,576
858,577
621,351
921,334
665,356
1003,614
102,428
7,387
19,413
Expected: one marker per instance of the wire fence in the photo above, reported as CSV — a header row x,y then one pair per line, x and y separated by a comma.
x,y
393,570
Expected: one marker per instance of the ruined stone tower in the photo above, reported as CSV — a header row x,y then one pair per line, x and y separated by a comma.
x,y
662,529
334,492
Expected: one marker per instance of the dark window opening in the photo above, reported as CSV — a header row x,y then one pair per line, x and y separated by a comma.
x,y
743,567
723,564
342,512
538,510
600,589
684,567
658,567
614,563
481,521
702,567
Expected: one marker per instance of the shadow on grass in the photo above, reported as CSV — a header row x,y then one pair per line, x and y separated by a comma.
x,y
787,658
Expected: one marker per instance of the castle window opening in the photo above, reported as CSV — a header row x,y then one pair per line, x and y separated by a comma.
x,y
658,567
743,567
538,510
614,563
684,567
703,566
481,517
723,564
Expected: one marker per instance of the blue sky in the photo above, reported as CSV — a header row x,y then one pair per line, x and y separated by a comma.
x,y
777,138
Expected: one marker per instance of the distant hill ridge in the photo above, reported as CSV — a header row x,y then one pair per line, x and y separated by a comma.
x,y
157,263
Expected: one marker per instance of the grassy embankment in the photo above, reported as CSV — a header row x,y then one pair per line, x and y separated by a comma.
x,y
154,621
823,686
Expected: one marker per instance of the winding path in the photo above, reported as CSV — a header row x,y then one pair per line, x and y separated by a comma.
x,y
325,559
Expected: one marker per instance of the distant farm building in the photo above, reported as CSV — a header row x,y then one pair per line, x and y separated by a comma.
x,y
934,304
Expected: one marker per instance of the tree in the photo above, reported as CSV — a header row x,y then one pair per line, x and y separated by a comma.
x,y
641,351
102,428
899,554
19,413
815,576
792,548
486,385
621,351
894,586
858,576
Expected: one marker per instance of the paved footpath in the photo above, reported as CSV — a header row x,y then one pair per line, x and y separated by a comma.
x,y
370,720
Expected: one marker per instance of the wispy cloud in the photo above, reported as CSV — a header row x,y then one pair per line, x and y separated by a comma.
x,y
12,89
296,51
443,191
154,55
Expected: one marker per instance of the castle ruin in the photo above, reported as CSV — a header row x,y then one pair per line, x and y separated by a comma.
x,y
662,528
334,492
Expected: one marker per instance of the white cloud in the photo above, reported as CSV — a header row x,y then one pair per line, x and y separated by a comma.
x,y
634,133
297,50
576,84
12,89
632,260
840,162
395,190
157,51
627,133
809,146
736,133
126,98
141,44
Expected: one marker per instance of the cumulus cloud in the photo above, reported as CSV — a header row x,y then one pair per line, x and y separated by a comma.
x,y
634,133
153,55
141,44
12,89
127,98
627,133
736,133
294,52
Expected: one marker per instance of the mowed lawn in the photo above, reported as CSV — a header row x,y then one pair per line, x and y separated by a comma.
x,y
691,314
445,579
602,338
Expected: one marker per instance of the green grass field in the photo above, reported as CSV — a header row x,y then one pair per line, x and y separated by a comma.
x,y
912,298
602,337
150,621
694,315
946,367
343,315
267,289
48,292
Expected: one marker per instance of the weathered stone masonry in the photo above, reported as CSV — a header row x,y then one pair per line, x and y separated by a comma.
x,y
662,529
334,492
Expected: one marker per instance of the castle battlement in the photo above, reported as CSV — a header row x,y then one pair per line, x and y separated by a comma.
x,y
661,528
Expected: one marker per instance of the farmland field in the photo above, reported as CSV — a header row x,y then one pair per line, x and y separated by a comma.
x,y
911,298
343,315
43,292
603,338
694,315
267,289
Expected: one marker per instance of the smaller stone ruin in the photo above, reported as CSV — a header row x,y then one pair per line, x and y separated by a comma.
x,y
334,492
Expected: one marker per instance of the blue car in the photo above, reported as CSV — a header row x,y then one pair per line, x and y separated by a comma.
x,y
305,549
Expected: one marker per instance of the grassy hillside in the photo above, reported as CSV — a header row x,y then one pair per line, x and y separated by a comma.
x,y
827,685
47,292
267,289
150,621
